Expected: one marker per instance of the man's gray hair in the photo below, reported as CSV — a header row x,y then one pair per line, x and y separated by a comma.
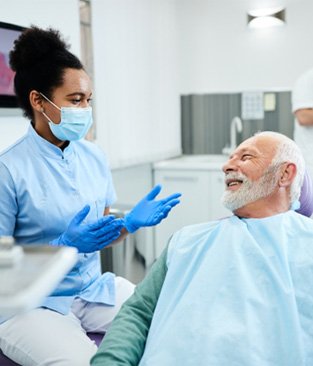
x,y
287,150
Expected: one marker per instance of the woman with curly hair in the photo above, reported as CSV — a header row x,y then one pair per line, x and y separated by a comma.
x,y
56,188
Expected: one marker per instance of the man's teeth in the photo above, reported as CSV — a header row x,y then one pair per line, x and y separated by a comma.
x,y
233,184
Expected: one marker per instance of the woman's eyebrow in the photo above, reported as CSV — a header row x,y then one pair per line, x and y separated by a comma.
x,y
82,94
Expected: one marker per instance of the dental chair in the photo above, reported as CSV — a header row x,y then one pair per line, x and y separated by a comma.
x,y
4,361
306,196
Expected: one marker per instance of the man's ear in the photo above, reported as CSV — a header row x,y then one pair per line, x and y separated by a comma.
x,y
35,100
287,174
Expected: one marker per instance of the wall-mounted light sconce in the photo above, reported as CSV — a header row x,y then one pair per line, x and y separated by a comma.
x,y
264,18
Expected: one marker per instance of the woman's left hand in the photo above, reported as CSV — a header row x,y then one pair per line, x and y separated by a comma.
x,y
148,211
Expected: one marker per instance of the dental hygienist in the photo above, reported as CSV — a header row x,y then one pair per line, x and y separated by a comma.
x,y
56,188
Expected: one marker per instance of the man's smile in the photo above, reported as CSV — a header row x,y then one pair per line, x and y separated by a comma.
x,y
233,184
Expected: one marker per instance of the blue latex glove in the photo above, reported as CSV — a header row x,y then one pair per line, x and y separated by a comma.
x,y
91,237
149,212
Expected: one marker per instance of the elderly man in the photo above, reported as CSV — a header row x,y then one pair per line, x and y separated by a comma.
x,y
236,291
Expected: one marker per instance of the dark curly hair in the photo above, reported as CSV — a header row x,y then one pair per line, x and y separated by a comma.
x,y
39,58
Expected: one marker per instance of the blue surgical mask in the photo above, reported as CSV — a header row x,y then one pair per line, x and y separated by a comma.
x,y
74,124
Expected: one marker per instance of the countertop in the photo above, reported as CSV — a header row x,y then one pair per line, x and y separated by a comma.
x,y
192,162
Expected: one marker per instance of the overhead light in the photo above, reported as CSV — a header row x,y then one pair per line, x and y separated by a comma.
x,y
266,17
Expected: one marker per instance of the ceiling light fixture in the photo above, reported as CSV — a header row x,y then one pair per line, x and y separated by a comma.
x,y
267,17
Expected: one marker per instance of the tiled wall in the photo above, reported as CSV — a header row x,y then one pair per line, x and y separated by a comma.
x,y
206,120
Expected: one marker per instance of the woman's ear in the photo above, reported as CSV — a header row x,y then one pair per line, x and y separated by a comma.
x,y
36,101
287,174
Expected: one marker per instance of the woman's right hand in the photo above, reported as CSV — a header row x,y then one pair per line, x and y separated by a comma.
x,y
90,237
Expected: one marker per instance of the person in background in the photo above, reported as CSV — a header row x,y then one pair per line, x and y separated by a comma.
x,y
56,188
302,107
235,291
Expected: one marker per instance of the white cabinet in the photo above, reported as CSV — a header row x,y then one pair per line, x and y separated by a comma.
x,y
201,183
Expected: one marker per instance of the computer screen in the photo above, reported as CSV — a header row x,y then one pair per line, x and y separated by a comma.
x,y
8,34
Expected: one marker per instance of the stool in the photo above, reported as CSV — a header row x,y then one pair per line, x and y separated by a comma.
x,y
4,361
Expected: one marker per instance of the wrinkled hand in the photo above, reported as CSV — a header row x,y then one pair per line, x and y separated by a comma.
x,y
149,212
91,237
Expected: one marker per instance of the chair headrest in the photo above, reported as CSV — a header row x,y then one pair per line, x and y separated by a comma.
x,y
306,196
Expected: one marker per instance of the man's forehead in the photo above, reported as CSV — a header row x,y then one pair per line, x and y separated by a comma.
x,y
260,144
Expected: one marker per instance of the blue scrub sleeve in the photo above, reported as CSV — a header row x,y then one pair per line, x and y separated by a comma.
x,y
8,202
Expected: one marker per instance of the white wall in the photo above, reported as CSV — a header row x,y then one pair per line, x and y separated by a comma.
x,y
218,53
43,13
136,86
136,61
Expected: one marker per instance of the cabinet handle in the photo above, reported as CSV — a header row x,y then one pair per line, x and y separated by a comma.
x,y
181,179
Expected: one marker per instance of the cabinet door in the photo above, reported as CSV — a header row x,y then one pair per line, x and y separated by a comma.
x,y
195,203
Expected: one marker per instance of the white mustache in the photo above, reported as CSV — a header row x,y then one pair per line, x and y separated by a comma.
x,y
237,176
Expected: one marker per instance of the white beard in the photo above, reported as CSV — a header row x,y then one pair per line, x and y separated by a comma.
x,y
249,191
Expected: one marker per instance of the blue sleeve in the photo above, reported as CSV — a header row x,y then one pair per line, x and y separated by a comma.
x,y
104,166
8,202
111,198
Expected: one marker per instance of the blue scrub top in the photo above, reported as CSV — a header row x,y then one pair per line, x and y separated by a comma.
x,y
41,190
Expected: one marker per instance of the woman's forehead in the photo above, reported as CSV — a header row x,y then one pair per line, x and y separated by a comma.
x,y
77,80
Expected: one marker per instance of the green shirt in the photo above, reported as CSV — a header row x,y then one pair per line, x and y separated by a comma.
x,y
125,341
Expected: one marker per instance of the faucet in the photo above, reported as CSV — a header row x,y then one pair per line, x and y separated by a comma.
x,y
235,126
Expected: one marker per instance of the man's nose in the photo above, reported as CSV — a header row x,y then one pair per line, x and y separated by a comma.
x,y
230,165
